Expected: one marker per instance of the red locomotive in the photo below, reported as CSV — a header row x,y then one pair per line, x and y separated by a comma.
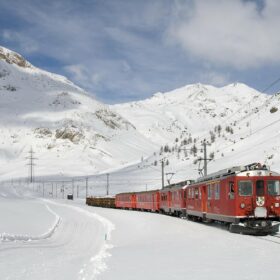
x,y
247,198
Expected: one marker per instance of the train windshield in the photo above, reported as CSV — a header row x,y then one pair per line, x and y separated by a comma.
x,y
245,188
260,188
273,187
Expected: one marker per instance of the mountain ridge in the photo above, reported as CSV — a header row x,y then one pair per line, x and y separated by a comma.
x,y
75,135
61,121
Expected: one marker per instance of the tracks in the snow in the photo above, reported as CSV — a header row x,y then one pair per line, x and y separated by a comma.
x,y
271,238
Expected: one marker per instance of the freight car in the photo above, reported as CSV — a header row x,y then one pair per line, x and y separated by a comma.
x,y
107,202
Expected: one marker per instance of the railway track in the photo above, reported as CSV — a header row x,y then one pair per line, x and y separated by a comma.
x,y
271,238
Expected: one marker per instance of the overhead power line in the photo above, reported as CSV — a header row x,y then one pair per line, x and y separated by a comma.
x,y
271,85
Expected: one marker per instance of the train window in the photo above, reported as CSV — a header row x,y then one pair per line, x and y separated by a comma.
x,y
196,193
217,191
231,190
245,188
273,187
209,191
260,188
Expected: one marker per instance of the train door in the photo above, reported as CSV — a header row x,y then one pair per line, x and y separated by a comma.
x,y
231,192
169,197
204,198
259,193
210,192
157,197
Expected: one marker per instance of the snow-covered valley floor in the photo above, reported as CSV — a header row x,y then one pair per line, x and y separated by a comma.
x,y
69,240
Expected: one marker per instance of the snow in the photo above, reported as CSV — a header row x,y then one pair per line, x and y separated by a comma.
x,y
73,248
173,248
98,243
61,122
83,137
43,236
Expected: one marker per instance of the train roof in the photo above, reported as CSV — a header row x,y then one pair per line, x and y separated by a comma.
x,y
101,196
253,169
179,185
149,191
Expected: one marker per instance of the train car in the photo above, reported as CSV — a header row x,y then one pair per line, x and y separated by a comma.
x,y
148,201
164,202
195,198
245,197
126,200
173,198
108,202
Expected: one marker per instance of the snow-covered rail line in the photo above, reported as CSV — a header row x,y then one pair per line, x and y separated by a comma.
x,y
271,238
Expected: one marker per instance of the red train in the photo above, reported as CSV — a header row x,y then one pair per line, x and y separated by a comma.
x,y
247,198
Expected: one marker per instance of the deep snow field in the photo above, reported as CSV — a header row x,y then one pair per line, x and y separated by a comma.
x,y
58,239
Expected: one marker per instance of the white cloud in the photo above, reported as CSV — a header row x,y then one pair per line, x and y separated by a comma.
x,y
214,78
122,50
26,44
78,71
82,74
229,33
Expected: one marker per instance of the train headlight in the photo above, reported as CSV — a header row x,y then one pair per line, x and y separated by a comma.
x,y
276,204
263,224
242,205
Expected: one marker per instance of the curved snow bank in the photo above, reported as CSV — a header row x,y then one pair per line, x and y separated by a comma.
x,y
96,264
24,237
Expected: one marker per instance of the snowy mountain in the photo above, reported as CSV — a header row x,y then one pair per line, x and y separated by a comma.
x,y
73,134
69,131
193,108
240,125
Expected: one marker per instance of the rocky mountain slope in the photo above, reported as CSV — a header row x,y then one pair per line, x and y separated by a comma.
x,y
73,134
69,131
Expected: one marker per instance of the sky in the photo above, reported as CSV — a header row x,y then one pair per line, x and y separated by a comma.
x,y
125,50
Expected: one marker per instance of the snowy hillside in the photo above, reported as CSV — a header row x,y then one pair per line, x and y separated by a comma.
x,y
73,134
69,131
240,125
191,109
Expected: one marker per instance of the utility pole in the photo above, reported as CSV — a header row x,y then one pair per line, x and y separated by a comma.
x,y
43,189
107,187
205,159
31,164
73,187
52,189
162,173
86,187
63,190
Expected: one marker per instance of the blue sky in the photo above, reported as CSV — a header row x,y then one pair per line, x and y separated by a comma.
x,y
123,50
